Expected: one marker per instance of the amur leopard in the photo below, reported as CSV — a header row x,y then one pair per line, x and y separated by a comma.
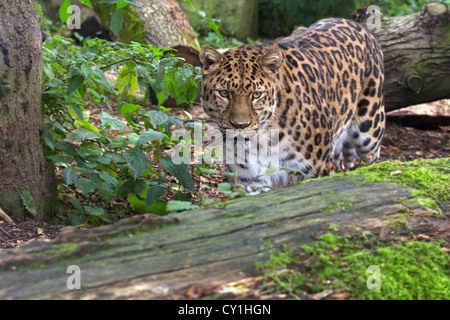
x,y
316,97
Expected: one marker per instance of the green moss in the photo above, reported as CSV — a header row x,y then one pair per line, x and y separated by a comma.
x,y
339,206
333,227
60,248
135,30
408,270
429,178
232,214
137,232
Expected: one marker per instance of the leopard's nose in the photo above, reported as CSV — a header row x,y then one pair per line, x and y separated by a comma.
x,y
240,125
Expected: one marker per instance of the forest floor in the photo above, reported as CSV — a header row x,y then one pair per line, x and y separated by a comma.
x,y
403,140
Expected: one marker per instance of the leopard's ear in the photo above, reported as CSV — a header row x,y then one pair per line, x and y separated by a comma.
x,y
271,60
208,57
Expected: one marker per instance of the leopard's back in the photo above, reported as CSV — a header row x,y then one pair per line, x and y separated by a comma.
x,y
334,72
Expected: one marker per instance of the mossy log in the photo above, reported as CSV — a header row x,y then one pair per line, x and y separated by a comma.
x,y
149,256
416,54
161,23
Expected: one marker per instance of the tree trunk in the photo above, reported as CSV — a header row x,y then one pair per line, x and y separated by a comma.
x,y
238,18
23,167
161,23
416,55
149,256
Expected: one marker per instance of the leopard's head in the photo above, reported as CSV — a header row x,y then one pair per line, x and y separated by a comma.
x,y
238,88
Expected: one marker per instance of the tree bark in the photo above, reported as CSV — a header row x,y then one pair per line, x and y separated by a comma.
x,y
149,256
238,19
161,23
23,167
416,55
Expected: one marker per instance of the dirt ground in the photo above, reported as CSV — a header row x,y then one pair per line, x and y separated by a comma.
x,y
400,142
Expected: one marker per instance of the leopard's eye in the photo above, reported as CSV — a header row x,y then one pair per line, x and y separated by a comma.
x,y
257,95
224,94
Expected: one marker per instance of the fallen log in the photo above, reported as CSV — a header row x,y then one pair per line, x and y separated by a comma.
x,y
149,256
416,54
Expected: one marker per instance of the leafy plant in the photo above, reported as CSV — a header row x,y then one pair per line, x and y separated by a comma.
x,y
116,155
213,41
214,24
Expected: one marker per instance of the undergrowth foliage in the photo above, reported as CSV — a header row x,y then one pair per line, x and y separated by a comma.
x,y
116,157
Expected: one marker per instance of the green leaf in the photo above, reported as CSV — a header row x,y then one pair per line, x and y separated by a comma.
x,y
136,203
120,1
114,157
179,171
225,187
209,171
175,120
158,207
63,15
82,134
132,3
68,148
121,4
127,77
89,149
153,194
101,159
110,122
85,70
76,204
48,71
86,2
77,219
94,211
28,202
139,186
157,117
76,108
149,136
69,175
127,108
271,170
192,94
164,65
85,185
293,170
117,21
61,159
106,176
176,205
132,137
137,160
75,82
118,143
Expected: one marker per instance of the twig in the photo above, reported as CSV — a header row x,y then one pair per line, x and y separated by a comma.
x,y
5,216
7,233
108,66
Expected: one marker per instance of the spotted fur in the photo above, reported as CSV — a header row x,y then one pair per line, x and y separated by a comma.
x,y
320,91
